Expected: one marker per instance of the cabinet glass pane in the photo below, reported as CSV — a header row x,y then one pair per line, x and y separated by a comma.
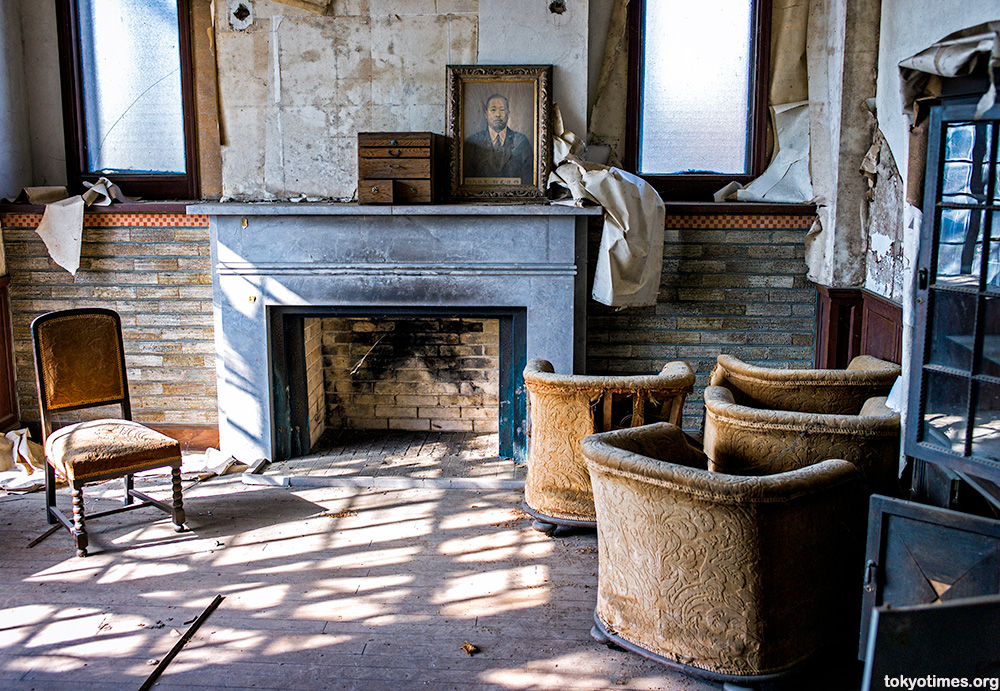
x,y
952,322
990,363
966,162
986,433
946,408
960,247
993,267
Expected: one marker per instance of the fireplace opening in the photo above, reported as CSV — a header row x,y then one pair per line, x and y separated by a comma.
x,y
414,369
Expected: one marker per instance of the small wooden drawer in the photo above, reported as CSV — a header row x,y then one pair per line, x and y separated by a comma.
x,y
399,167
388,168
394,192
412,191
395,140
375,192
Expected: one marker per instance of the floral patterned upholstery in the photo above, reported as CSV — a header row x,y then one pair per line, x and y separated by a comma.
x,y
728,577
753,441
760,420
806,390
565,408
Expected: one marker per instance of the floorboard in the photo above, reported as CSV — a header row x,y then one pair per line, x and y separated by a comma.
x,y
325,587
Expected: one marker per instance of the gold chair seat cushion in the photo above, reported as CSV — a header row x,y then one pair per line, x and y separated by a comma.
x,y
98,447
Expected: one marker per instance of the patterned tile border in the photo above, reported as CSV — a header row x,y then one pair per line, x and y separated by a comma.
x,y
739,221
15,220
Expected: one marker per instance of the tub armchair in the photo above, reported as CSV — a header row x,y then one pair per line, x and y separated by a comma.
x,y
731,578
565,408
762,421
806,390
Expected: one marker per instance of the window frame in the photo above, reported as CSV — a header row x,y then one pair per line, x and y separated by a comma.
x,y
701,186
144,185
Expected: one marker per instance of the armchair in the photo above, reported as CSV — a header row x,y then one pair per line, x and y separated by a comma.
x,y
730,578
565,408
806,390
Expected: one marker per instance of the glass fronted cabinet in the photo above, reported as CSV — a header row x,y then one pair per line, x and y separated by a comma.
x,y
954,413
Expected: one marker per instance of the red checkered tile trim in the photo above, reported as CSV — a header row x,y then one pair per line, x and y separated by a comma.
x,y
113,220
731,222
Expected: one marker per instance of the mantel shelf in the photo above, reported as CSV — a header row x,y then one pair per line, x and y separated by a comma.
x,y
352,209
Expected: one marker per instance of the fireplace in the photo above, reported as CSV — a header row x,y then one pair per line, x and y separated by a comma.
x,y
278,265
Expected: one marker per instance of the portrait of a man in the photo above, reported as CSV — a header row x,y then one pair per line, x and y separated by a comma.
x,y
498,154
499,144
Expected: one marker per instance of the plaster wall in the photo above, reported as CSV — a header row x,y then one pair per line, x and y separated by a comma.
x,y
15,164
909,26
842,58
296,87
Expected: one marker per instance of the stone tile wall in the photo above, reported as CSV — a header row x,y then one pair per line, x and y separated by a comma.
x,y
730,284
153,269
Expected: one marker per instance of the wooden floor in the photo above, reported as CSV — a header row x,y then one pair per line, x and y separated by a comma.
x,y
325,587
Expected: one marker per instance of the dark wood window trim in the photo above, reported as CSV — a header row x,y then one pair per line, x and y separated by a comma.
x,y
693,187
147,186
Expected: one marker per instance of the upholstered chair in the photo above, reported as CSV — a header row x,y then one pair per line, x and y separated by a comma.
x,y
565,408
743,440
806,390
731,578
79,364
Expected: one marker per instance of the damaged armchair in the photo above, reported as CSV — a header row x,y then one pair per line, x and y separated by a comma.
x,y
761,421
732,578
565,408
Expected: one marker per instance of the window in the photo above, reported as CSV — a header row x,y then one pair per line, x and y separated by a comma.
x,y
697,93
127,95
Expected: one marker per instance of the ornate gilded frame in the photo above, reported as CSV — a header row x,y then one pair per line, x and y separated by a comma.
x,y
527,89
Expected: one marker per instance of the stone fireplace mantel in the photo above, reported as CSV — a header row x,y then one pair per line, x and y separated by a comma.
x,y
526,260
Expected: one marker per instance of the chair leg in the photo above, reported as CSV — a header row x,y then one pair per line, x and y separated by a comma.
x,y
129,484
50,494
178,505
79,524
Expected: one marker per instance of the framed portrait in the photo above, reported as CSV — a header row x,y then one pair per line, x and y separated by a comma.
x,y
498,129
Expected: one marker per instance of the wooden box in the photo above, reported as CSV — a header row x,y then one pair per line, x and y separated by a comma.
x,y
399,167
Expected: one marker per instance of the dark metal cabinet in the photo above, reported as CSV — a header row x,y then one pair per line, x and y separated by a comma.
x,y
921,554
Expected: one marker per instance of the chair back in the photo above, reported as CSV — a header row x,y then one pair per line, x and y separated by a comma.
x,y
79,362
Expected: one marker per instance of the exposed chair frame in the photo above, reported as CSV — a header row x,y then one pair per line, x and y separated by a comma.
x,y
565,408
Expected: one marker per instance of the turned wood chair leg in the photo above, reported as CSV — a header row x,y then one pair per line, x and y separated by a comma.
x,y
79,523
178,502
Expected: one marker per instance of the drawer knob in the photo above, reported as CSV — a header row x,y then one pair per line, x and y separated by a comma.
x,y
395,154
393,142
375,190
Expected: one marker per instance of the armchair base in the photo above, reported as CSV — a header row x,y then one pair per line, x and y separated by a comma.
x,y
600,633
544,523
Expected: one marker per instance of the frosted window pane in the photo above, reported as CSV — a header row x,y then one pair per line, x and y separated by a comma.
x,y
132,85
696,87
